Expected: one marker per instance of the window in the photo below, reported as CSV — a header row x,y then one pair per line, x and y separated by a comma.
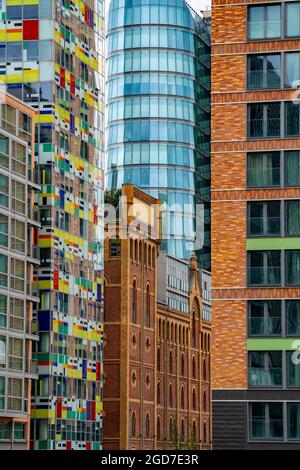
x,y
18,197
4,151
171,362
18,158
3,270
266,420
293,415
263,169
14,394
3,191
3,230
14,12
264,71
264,22
194,400
2,394
15,354
17,235
293,317
14,51
147,425
265,368
264,218
170,396
194,368
148,306
17,274
134,303
158,428
19,431
292,217
292,68
293,19
158,359
293,369
292,261
3,311
115,248
264,120
158,393
2,352
182,397
264,318
292,118
16,317
292,168
182,364
4,430
30,12
264,268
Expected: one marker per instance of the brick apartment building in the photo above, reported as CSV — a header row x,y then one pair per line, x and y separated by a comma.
x,y
156,364
255,224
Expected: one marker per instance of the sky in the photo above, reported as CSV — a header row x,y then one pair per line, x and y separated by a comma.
x,y
199,4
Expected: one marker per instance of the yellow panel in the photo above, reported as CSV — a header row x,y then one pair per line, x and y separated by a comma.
x,y
14,36
30,75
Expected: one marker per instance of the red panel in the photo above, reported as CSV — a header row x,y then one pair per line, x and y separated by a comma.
x,y
72,84
59,408
95,214
62,77
30,29
98,371
93,411
86,14
55,278
87,446
69,445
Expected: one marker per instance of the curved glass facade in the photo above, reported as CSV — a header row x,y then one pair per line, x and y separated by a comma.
x,y
159,112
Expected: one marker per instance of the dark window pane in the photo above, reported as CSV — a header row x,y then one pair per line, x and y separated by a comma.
x,y
273,119
264,169
273,71
14,12
293,368
30,12
255,72
256,120
293,267
292,168
14,51
292,214
292,119
2,52
293,421
293,317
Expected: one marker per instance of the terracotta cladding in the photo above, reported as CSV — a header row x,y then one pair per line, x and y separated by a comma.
x,y
231,67
229,122
230,174
229,24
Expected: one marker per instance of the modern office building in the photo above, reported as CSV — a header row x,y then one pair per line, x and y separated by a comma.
x,y
52,58
18,258
255,224
157,351
159,114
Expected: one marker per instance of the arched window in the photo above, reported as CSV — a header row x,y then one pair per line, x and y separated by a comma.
x,y
194,399
159,329
149,256
208,343
145,253
182,397
171,362
141,251
204,401
171,428
172,332
182,364
153,257
158,393
194,431
148,306
168,331
194,367
158,428
179,334
147,426
133,424
170,396
134,302
204,432
204,370
131,248
182,430
194,329
158,359
136,250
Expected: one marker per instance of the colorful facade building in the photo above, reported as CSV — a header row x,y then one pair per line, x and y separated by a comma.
x,y
19,256
159,115
153,311
52,58
255,224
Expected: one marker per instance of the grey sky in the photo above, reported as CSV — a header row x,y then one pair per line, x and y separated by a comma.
x,y
199,4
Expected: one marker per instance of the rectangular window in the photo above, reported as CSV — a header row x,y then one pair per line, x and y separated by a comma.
x,y
292,122
15,354
14,401
17,235
264,71
2,352
264,120
293,19
292,168
266,420
3,191
265,368
292,68
293,414
292,217
4,151
3,311
19,429
292,309
2,395
264,268
3,230
18,197
17,274
293,369
4,430
14,51
292,263
18,158
263,218
264,318
115,248
3,270
264,22
16,316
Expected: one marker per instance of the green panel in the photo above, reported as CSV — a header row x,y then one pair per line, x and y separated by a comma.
x,y
273,344
276,243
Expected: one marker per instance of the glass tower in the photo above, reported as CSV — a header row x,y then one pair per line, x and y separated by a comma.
x,y
159,113
51,57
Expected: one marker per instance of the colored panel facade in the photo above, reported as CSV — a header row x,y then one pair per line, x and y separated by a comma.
x,y
255,232
18,259
159,114
52,58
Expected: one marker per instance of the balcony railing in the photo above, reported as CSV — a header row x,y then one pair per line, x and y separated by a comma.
x,y
264,226
260,276
259,377
265,326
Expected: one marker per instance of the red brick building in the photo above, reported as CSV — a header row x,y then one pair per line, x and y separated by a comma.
x,y
150,400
